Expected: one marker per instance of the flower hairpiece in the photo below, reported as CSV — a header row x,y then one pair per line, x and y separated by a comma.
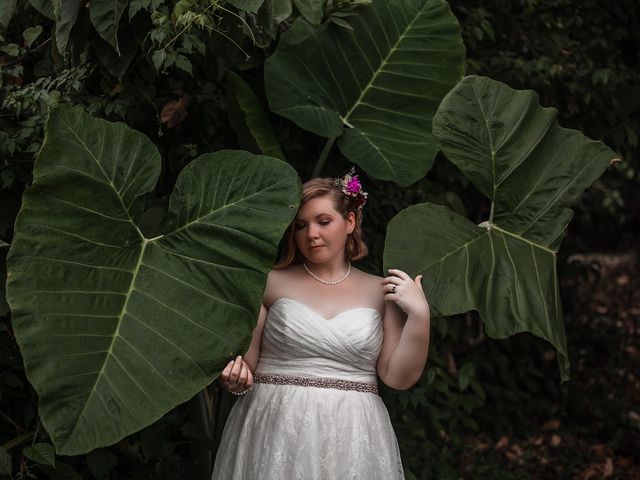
x,y
350,185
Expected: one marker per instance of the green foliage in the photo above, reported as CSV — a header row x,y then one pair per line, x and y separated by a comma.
x,y
580,57
249,119
7,10
247,5
65,15
376,87
311,10
532,171
226,216
177,34
42,453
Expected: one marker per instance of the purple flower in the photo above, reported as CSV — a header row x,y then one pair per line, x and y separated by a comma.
x,y
353,185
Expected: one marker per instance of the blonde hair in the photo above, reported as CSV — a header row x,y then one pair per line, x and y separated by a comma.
x,y
355,248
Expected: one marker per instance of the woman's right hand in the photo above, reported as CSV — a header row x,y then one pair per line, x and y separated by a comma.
x,y
236,376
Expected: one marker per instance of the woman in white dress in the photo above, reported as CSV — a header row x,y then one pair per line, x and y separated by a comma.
x,y
309,406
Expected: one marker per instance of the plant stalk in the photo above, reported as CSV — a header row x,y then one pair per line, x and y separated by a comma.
x,y
323,157
14,442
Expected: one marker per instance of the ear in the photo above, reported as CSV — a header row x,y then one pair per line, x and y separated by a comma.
x,y
351,222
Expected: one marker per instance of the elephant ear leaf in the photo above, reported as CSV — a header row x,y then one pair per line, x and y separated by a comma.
x,y
105,16
117,329
532,170
248,118
65,15
375,87
247,5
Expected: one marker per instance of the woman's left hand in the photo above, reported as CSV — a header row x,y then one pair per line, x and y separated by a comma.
x,y
408,294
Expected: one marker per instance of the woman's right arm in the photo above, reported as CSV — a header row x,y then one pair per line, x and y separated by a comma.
x,y
237,376
253,353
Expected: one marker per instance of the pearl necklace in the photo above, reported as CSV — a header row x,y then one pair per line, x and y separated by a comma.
x,y
325,281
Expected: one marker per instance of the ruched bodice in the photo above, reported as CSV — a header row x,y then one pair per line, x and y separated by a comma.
x,y
297,340
302,432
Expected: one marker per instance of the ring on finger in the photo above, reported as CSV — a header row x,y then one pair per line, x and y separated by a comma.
x,y
393,289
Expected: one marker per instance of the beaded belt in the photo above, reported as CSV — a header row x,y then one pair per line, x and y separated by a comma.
x,y
315,382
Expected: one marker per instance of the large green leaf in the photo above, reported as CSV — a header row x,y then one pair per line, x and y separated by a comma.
x,y
117,64
66,14
312,10
116,329
7,9
248,118
4,307
105,17
45,7
533,171
248,5
376,87
281,10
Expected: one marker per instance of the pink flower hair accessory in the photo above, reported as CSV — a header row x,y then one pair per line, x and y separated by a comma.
x,y
350,185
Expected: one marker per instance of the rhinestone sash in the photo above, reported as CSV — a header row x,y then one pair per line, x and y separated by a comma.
x,y
315,382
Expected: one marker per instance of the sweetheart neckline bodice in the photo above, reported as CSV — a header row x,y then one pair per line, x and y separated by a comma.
x,y
343,312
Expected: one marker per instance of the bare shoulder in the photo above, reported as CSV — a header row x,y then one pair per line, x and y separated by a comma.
x,y
278,282
371,279
371,286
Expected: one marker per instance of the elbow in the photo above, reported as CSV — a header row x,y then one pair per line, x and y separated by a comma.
x,y
402,386
401,383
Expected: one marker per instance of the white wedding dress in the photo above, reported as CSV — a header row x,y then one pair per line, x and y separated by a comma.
x,y
286,432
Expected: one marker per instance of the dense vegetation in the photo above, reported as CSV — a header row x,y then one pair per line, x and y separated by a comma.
x,y
485,408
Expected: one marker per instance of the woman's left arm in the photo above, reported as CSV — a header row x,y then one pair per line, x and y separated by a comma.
x,y
406,343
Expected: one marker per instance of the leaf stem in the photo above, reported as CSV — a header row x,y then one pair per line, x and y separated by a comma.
x,y
323,157
14,442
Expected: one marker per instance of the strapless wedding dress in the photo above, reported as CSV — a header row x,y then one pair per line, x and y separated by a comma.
x,y
283,432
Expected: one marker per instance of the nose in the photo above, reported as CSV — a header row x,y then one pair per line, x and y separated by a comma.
x,y
312,232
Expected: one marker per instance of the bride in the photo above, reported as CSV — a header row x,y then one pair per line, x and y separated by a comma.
x,y
309,405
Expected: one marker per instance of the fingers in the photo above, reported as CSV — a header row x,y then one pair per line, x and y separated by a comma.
x,y
235,371
244,375
237,375
399,273
390,297
224,375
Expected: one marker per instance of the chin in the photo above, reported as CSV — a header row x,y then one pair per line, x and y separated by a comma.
x,y
316,253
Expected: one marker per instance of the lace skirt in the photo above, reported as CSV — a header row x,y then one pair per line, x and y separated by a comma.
x,y
286,432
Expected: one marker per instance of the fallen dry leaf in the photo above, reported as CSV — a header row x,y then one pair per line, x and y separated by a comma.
x,y
624,462
551,425
511,456
174,111
632,351
622,280
503,442
608,468
589,472
555,440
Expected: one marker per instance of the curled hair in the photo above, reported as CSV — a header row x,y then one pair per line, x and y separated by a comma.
x,y
355,248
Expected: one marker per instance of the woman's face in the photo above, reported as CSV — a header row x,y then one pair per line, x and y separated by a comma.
x,y
320,231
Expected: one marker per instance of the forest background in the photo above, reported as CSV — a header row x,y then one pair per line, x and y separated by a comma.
x,y
485,408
